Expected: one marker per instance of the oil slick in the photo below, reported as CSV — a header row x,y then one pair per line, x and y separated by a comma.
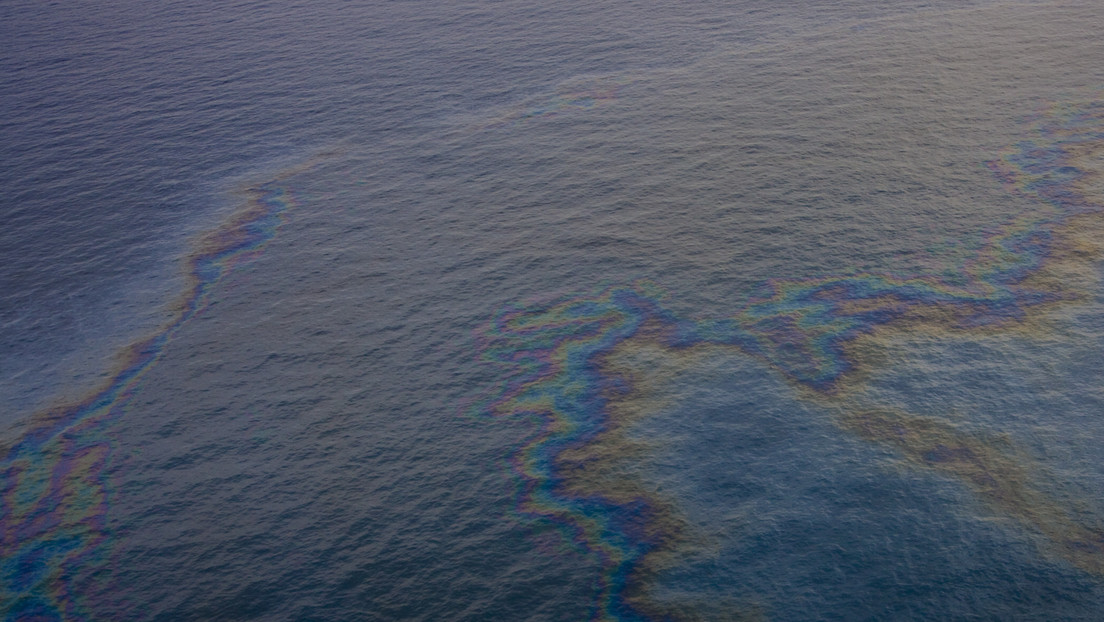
x,y
993,469
56,490
564,367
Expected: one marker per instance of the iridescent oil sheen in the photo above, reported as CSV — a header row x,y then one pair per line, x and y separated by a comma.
x,y
56,490
556,359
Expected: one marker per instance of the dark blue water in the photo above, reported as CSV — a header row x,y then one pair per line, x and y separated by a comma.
x,y
303,448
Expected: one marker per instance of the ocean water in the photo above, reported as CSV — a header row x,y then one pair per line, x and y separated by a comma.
x,y
509,311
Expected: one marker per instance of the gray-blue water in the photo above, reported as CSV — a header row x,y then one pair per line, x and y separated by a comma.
x,y
302,448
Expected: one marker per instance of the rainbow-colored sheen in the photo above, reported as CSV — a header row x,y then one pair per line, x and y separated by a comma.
x,y
568,98
555,358
55,490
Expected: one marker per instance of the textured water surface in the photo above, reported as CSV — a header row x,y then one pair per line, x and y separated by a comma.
x,y
606,310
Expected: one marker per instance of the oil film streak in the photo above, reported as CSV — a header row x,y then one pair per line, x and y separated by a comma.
x,y
570,97
55,492
558,361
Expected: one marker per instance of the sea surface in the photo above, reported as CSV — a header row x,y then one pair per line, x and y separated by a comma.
x,y
516,310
